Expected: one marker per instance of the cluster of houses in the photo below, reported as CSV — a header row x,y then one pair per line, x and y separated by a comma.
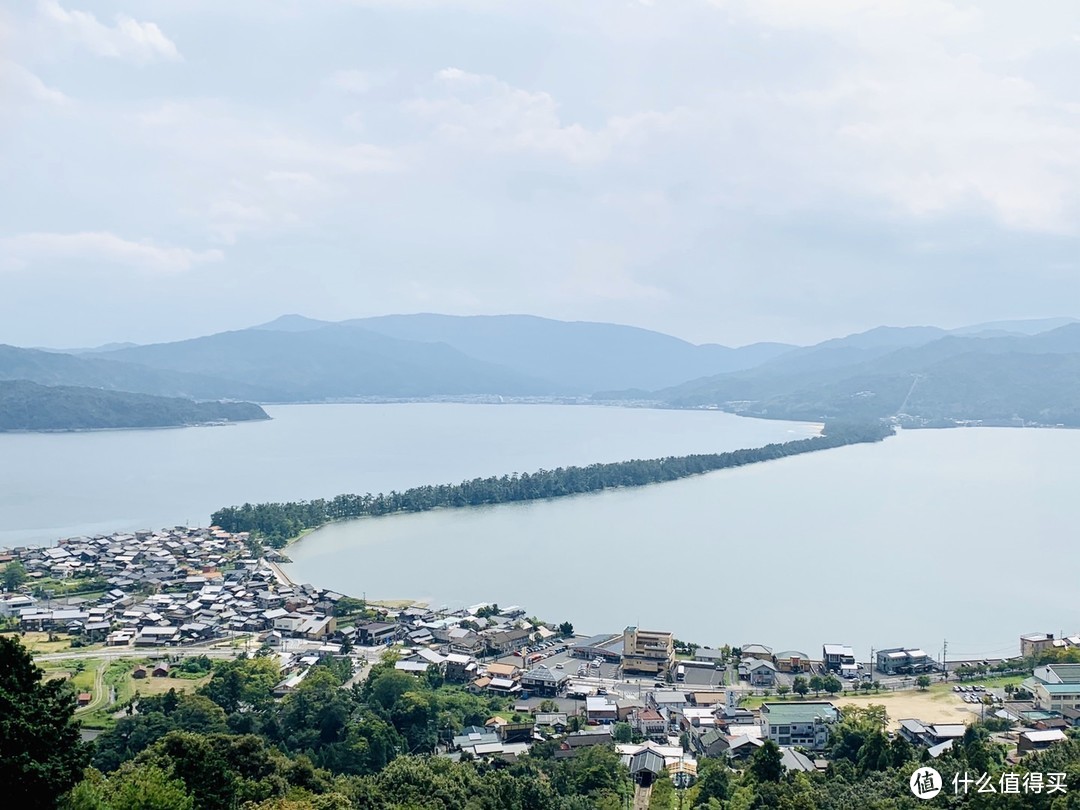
x,y
169,587
185,585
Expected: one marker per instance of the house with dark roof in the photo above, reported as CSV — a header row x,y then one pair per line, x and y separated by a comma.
x,y
837,656
507,640
543,681
759,672
646,766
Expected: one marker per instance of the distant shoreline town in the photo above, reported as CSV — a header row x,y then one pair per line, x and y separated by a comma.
x,y
181,591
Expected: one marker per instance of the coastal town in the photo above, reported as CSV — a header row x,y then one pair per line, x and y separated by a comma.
x,y
148,601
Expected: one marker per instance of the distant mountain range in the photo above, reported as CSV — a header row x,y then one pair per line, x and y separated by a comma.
x,y
1001,372
29,406
919,378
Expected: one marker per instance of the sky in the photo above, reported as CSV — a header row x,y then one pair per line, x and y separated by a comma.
x,y
722,170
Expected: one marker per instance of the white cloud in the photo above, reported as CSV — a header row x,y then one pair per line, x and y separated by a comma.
x,y
255,175
102,247
19,84
127,39
485,112
924,110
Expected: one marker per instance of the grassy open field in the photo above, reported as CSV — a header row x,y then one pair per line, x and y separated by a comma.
x,y
38,643
111,683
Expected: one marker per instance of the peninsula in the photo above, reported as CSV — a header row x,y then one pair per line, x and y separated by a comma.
x,y
277,523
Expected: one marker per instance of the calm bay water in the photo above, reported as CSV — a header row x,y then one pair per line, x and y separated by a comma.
x,y
65,484
930,535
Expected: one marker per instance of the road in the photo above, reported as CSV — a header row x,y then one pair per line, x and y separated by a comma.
x,y
99,692
113,653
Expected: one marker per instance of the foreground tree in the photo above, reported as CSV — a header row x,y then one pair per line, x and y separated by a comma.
x,y
41,755
767,763
14,575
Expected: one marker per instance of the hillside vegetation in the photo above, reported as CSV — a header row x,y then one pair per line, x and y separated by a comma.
x,y
29,406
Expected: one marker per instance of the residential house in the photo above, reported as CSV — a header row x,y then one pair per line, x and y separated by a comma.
x,y
504,678
460,668
572,744
757,651
759,672
598,709
837,656
930,734
555,721
155,636
790,661
543,681
709,655
1039,740
374,634
793,760
318,627
508,640
649,723
465,642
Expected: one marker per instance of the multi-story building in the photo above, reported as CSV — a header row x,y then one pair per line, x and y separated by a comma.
x,y
903,661
1055,687
807,725
648,651
1034,643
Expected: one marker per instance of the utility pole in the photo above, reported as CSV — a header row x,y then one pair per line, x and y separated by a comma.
x,y
944,659
871,665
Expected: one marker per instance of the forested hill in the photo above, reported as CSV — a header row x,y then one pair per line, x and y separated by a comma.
x,y
1008,379
279,522
28,406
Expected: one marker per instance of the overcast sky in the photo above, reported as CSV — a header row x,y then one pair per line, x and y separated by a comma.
x,y
723,170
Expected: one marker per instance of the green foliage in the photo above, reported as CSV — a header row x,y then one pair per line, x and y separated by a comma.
x,y
350,606
28,406
134,787
663,793
14,575
195,664
41,755
622,733
156,717
714,782
998,380
243,684
279,522
766,764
